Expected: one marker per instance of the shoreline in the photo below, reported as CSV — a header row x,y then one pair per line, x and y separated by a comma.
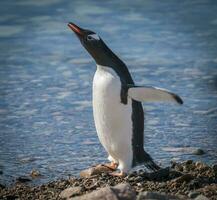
x,y
185,180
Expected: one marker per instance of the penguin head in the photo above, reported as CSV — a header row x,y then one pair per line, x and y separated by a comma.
x,y
91,42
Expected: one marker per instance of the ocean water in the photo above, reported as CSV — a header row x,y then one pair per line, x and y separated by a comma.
x,y
46,120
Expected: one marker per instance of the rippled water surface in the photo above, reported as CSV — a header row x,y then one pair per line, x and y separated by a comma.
x,y
46,118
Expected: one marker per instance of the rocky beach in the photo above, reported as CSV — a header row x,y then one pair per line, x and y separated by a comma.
x,y
183,180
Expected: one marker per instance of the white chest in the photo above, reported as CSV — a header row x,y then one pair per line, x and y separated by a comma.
x,y
112,118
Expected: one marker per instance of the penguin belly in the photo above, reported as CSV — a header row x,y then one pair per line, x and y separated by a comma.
x,y
112,118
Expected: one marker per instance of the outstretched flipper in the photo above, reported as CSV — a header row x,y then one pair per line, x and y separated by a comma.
x,y
152,94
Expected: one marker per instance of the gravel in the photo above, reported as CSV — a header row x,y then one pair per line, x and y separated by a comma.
x,y
189,179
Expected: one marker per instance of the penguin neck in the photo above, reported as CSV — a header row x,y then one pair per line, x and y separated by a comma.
x,y
105,57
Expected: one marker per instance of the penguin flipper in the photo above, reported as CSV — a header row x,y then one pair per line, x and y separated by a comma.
x,y
152,94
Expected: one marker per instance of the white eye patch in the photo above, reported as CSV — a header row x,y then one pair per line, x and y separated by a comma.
x,y
95,36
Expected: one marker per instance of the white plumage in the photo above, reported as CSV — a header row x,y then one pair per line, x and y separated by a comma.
x,y
112,118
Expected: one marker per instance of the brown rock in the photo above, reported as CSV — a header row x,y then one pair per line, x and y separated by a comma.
x,y
119,192
94,171
69,192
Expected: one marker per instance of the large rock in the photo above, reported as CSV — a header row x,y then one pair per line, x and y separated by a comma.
x,y
94,171
69,192
156,196
119,192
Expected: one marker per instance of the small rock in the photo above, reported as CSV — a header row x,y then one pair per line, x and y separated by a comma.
x,y
69,192
198,152
99,169
1,172
193,194
155,196
201,197
35,173
119,192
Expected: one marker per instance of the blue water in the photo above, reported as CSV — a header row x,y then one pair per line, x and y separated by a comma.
x,y
46,120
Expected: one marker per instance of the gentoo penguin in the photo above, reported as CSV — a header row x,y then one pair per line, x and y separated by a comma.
x,y
117,109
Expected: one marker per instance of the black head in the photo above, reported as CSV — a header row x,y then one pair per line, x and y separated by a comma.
x,y
100,51
90,41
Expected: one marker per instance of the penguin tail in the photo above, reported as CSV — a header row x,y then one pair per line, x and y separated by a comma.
x,y
149,163
152,165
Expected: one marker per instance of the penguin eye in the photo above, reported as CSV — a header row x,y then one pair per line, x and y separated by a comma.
x,y
89,37
93,37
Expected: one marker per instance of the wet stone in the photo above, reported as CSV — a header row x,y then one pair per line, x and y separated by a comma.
x,y
198,152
